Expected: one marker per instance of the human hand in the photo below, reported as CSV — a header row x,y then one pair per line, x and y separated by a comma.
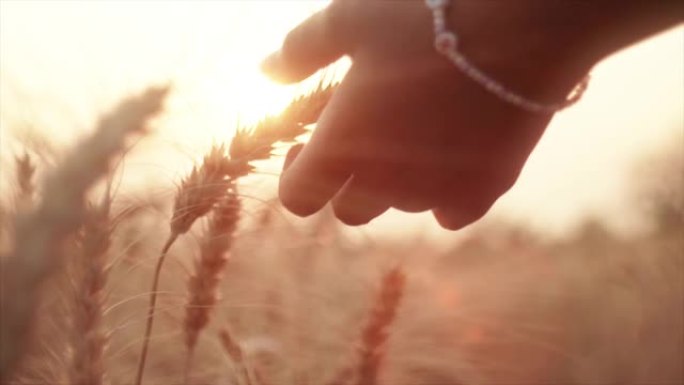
x,y
406,129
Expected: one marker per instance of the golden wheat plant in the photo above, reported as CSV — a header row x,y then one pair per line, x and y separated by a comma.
x,y
88,337
371,349
203,189
376,331
203,283
41,231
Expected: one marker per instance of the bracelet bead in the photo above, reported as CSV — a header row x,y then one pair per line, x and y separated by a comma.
x,y
435,4
446,43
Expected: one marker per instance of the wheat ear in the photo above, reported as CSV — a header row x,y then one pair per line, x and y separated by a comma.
x,y
203,284
88,338
40,232
375,333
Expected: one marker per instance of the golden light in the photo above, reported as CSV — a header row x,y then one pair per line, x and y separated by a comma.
x,y
64,63
247,92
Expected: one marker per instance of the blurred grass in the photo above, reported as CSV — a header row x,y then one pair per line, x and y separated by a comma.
x,y
502,306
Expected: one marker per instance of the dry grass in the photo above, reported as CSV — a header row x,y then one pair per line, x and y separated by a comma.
x,y
271,303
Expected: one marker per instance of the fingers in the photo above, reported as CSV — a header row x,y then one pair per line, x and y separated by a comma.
x,y
311,179
359,201
335,150
468,201
315,172
318,41
292,154
458,215
412,191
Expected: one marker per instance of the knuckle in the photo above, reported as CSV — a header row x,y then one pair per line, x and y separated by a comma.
x,y
296,202
349,217
352,221
465,212
298,207
412,206
450,219
448,224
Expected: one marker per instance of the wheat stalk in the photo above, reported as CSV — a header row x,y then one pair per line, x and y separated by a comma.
x,y
196,196
40,232
88,339
203,284
235,353
375,333
204,186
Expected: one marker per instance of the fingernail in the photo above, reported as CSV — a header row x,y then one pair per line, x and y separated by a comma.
x,y
270,65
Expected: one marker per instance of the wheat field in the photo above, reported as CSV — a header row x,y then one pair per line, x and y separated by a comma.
x,y
210,287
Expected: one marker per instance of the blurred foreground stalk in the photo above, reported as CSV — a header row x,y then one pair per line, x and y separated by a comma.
x,y
41,232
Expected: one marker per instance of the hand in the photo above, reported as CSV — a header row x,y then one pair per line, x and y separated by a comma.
x,y
405,128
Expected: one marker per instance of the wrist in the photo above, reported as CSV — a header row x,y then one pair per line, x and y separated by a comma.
x,y
518,46
544,48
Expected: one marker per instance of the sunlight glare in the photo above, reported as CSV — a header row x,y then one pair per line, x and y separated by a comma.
x,y
239,86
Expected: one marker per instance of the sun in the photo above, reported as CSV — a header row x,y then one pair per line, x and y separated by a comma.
x,y
234,90
250,94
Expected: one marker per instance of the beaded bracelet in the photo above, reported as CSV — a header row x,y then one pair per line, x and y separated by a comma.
x,y
446,43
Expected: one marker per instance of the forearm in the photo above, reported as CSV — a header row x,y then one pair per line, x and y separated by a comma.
x,y
616,24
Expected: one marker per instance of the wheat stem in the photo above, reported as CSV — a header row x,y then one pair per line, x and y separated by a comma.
x,y
234,351
152,306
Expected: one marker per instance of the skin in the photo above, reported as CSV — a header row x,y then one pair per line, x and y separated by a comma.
x,y
407,130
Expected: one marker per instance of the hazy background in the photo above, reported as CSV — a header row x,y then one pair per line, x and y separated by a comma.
x,y
498,303
62,63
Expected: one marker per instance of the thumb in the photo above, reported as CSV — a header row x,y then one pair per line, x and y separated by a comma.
x,y
318,41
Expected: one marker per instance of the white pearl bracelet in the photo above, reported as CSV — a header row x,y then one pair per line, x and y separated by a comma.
x,y
446,43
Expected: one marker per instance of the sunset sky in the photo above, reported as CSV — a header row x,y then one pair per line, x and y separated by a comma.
x,y
62,63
